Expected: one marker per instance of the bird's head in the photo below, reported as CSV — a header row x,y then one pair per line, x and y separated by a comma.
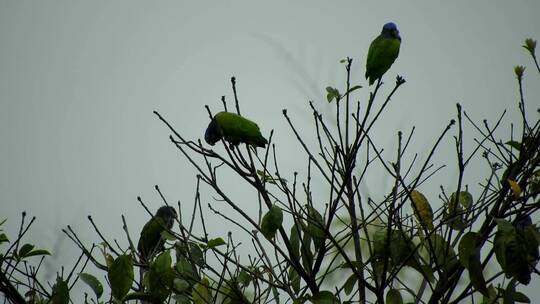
x,y
212,135
168,214
390,30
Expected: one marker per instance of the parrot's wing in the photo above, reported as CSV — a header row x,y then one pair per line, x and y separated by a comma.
x,y
382,54
237,129
150,237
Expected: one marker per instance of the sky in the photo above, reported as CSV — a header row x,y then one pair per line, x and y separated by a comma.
x,y
79,81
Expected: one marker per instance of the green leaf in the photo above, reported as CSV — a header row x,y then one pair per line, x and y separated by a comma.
x,y
324,297
349,284
121,276
514,144
215,243
244,278
294,279
354,88
521,297
445,255
38,252
294,238
201,293
271,222
160,277
166,235
181,285
3,238
315,227
467,248
476,275
393,296
163,261
187,270
332,94
60,292
514,252
93,282
465,199
509,292
24,250
305,251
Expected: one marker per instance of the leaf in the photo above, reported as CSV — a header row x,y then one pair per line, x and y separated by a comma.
x,y
181,285
464,199
324,297
271,222
468,248
121,276
445,256
332,93
514,144
163,261
294,279
354,88
349,284
166,235
186,270
513,252
60,292
38,252
3,238
393,297
315,227
244,278
160,277
422,209
201,293
521,297
24,250
93,282
305,251
215,243
294,239
516,189
509,292
476,275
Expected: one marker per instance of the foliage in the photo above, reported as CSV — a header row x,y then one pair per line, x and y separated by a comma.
x,y
343,248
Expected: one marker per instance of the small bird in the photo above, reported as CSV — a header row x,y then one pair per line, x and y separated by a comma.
x,y
383,51
235,129
151,241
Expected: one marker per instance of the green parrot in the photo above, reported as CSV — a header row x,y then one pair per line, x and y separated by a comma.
x,y
234,129
383,51
151,241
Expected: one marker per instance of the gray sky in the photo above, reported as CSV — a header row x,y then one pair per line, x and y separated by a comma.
x,y
79,81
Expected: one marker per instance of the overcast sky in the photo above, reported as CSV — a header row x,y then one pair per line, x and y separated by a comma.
x,y
79,81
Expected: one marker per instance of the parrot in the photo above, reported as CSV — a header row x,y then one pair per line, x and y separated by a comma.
x,y
234,129
151,241
382,53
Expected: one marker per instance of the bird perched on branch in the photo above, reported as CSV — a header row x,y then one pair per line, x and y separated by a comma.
x,y
235,129
151,240
383,51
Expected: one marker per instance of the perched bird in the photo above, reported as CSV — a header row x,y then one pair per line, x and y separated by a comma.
x,y
151,240
235,129
383,51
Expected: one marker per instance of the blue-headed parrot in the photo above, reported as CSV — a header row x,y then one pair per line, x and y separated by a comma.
x,y
383,51
235,129
151,241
